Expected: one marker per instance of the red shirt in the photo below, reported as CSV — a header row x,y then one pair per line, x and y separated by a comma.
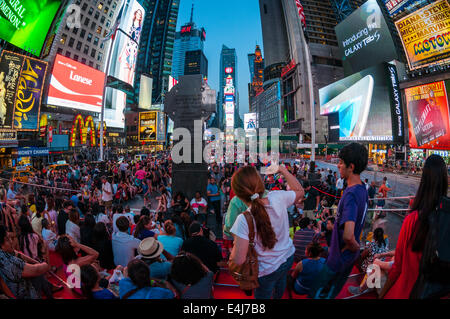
x,y
406,265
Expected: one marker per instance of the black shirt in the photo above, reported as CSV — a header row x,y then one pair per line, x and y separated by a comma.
x,y
62,219
205,249
311,199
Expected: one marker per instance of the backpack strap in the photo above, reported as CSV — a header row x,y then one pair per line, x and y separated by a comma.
x,y
251,227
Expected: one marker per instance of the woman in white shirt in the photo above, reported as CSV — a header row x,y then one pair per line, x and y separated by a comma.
x,y
272,242
72,228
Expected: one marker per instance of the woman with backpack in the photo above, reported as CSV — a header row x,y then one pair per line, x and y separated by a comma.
x,y
270,220
411,242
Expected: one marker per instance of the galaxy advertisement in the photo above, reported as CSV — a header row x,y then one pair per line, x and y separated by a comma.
x,y
428,116
365,107
21,82
76,85
425,35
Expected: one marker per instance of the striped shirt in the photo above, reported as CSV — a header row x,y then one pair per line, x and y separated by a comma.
x,y
302,238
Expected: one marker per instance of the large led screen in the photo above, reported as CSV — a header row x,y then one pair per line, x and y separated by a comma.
x,y
147,126
428,116
115,103
76,85
395,7
366,106
425,35
145,92
21,83
126,42
365,34
25,23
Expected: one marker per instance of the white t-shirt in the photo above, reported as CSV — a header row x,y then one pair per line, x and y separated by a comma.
x,y
340,183
107,197
271,260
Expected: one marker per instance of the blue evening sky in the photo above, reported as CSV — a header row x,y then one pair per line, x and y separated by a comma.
x,y
235,23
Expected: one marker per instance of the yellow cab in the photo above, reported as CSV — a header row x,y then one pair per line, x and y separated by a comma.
x,y
58,166
21,173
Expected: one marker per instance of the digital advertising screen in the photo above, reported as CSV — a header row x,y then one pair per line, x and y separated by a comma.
x,y
115,103
76,85
428,116
425,35
145,92
250,121
21,83
161,127
365,106
147,126
126,42
25,23
397,6
365,33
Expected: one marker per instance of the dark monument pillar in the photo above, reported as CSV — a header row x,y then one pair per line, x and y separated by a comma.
x,y
191,99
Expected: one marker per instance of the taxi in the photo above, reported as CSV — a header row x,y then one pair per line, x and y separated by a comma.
x,y
18,173
58,166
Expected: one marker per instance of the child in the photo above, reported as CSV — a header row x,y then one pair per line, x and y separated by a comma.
x,y
48,236
306,270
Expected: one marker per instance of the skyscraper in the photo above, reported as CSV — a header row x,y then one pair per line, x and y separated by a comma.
x,y
256,64
156,47
189,38
196,63
228,67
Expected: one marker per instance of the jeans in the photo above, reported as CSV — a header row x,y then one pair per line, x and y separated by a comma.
x,y
216,206
274,284
329,283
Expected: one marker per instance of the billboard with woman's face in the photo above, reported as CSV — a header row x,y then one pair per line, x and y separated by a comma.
x,y
126,42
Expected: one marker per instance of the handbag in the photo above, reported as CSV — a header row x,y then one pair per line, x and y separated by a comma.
x,y
246,274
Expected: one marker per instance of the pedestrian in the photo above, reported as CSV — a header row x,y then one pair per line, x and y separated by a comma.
x,y
351,213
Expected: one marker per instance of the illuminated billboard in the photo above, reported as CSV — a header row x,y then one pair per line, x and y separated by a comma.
x,y
145,92
250,122
148,126
365,33
126,42
425,35
428,116
396,6
115,103
75,85
25,23
365,106
21,83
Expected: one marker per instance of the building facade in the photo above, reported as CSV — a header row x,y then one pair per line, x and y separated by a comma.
x,y
157,44
196,63
256,65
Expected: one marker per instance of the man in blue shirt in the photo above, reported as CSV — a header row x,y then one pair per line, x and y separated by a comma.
x,y
214,200
345,246
124,245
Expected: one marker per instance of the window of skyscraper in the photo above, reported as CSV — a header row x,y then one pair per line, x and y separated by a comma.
x,y
83,8
99,30
71,42
100,5
90,10
93,52
93,24
86,49
91,64
63,39
89,37
79,44
96,40
83,60
102,19
100,56
68,54
106,10
82,33
75,57
97,14
86,22
59,51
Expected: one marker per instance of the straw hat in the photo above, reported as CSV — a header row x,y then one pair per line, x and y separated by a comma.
x,y
150,248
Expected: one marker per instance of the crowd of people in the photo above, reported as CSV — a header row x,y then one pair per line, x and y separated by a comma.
x,y
312,228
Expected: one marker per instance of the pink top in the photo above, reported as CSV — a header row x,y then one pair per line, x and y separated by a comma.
x,y
32,249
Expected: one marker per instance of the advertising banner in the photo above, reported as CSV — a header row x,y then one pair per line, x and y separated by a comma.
x,y
76,85
428,116
10,67
396,6
425,35
229,107
161,128
33,151
22,78
25,23
114,106
250,121
147,126
365,106
145,92
126,42
365,33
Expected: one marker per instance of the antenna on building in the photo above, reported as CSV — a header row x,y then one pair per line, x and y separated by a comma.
x,y
192,12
